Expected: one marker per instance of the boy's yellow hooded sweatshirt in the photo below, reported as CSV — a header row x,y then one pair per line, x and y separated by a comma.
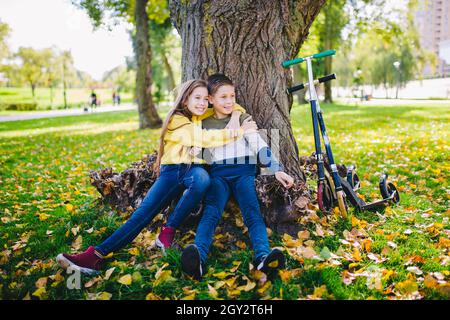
x,y
182,134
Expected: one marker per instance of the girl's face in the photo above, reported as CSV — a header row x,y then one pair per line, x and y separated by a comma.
x,y
223,100
198,101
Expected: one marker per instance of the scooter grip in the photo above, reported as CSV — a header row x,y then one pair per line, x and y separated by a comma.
x,y
296,88
327,78
289,63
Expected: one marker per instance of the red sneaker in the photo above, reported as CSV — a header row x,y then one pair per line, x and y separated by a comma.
x,y
165,238
87,262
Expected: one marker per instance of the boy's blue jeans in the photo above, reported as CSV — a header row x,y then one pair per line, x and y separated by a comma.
x,y
238,180
174,178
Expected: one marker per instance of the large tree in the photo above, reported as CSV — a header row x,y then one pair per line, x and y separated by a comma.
x,y
248,40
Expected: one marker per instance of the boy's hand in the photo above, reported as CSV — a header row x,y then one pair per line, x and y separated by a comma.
x,y
249,126
286,180
234,124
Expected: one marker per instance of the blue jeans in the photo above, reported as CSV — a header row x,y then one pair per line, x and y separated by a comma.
x,y
238,180
173,180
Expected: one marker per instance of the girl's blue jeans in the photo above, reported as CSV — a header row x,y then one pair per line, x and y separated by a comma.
x,y
173,180
238,180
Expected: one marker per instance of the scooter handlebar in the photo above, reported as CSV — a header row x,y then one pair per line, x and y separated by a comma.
x,y
320,80
327,78
322,54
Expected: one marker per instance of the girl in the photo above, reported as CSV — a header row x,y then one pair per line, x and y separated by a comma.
x,y
179,171
233,170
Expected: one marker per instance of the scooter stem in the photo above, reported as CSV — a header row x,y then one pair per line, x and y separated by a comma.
x,y
312,88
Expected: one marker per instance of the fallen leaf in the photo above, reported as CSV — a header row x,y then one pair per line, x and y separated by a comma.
x,y
125,280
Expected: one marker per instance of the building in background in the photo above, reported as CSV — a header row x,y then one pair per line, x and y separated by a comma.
x,y
433,23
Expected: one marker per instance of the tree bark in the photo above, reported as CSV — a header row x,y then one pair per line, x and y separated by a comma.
x,y
148,116
247,41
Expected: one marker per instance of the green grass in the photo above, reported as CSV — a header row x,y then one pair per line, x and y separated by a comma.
x,y
47,203
76,97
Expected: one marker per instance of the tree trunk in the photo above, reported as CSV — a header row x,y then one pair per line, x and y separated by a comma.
x,y
171,78
248,41
148,116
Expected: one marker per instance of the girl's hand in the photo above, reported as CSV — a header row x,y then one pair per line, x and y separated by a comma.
x,y
195,151
249,126
286,180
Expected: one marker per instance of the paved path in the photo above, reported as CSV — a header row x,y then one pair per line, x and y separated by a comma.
x,y
392,102
64,112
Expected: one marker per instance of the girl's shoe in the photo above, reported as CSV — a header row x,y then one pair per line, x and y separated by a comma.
x,y
273,261
191,263
86,262
165,238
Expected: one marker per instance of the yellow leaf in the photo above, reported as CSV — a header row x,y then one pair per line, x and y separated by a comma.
x,y
212,292
356,254
430,281
239,222
40,293
320,291
126,279
303,234
134,251
109,272
240,244
189,297
105,296
221,275
163,276
69,207
43,216
285,275
152,296
76,245
230,282
219,284
264,288
407,286
249,286
41,283
236,266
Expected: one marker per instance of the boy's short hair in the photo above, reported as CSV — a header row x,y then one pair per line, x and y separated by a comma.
x,y
215,81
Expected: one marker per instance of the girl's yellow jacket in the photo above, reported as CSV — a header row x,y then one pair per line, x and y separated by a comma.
x,y
182,134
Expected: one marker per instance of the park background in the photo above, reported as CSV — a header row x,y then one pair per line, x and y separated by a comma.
x,y
388,110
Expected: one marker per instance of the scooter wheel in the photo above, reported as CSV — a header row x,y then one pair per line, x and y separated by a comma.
x,y
391,189
325,197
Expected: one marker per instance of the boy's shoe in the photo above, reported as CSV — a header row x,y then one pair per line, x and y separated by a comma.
x,y
165,238
191,263
86,262
273,261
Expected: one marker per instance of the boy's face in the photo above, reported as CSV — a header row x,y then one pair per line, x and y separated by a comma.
x,y
223,100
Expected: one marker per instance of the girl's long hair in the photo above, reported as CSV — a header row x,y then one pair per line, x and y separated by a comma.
x,y
184,91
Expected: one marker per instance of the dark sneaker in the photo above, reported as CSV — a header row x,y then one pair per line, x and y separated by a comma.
x,y
191,263
87,262
273,261
165,238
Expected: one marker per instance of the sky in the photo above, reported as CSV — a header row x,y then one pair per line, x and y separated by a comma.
x,y
45,23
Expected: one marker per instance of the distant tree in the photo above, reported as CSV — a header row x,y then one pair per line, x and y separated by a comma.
x,y
5,32
31,68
